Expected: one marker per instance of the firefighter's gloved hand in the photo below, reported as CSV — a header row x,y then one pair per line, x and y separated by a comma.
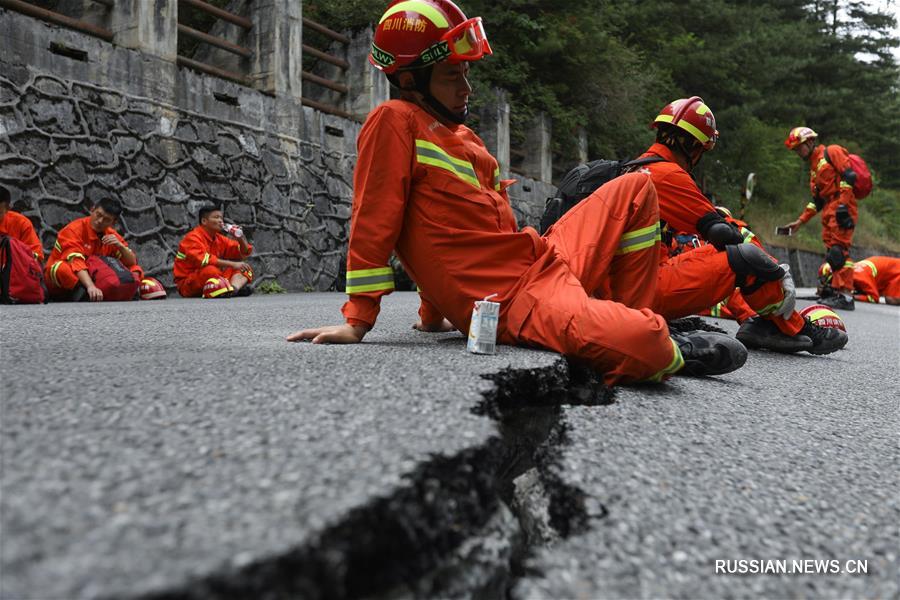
x,y
790,294
842,215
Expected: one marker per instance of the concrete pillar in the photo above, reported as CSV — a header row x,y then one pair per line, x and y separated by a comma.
x,y
276,40
368,86
494,128
150,26
581,145
538,161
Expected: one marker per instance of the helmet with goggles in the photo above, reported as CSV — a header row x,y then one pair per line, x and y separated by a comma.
x,y
419,33
692,116
798,135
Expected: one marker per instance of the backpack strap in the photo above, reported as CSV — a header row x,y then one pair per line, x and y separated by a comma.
x,y
640,162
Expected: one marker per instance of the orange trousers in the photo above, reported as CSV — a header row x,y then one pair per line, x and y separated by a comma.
x,y
588,296
835,235
192,285
693,281
61,279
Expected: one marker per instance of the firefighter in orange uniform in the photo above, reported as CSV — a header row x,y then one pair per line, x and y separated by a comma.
x,y
18,226
66,273
733,257
833,196
873,278
426,187
211,265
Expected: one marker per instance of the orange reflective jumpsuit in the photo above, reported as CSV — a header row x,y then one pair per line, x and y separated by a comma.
x,y
18,226
877,276
74,243
197,260
830,191
700,278
433,194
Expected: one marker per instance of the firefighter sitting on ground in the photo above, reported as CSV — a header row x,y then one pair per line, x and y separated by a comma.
x,y
833,196
704,276
426,186
18,226
873,278
208,263
66,274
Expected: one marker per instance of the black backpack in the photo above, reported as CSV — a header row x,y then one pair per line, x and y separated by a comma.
x,y
582,181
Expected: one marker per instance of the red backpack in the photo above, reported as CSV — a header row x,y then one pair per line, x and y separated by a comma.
x,y
113,278
856,174
21,277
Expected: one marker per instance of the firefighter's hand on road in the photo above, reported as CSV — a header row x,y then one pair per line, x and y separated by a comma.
x,y
440,327
333,334
95,294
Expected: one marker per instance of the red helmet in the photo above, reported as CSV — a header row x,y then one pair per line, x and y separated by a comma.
x,y
151,289
825,272
798,135
423,32
692,115
823,316
217,287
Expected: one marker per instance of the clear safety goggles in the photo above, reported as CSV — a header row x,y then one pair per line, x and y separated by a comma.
x,y
467,41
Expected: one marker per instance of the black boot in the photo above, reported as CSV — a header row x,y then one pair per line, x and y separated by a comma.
x,y
840,301
825,339
761,333
708,353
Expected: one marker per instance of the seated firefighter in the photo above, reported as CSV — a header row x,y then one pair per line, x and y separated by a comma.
x,y
426,187
18,226
733,258
208,263
90,260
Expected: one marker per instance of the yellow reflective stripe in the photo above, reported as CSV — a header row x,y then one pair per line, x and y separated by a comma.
x,y
849,264
72,255
768,310
747,234
845,186
872,299
870,264
370,280
426,10
812,207
639,239
205,260
674,366
53,270
822,163
180,256
815,315
686,126
430,154
57,247
497,179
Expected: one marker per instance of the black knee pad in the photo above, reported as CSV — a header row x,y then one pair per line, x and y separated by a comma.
x,y
748,259
835,257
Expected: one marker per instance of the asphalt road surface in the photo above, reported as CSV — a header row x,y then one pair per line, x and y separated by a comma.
x,y
183,449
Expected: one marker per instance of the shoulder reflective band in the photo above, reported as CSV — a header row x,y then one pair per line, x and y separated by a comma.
x,y
205,260
497,179
747,234
370,280
72,255
674,366
57,247
639,239
845,185
869,264
179,256
431,154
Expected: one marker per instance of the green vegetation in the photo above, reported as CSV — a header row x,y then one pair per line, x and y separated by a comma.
x,y
763,66
270,287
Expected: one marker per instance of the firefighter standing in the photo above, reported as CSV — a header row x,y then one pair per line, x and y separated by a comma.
x,y
701,277
833,197
426,187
